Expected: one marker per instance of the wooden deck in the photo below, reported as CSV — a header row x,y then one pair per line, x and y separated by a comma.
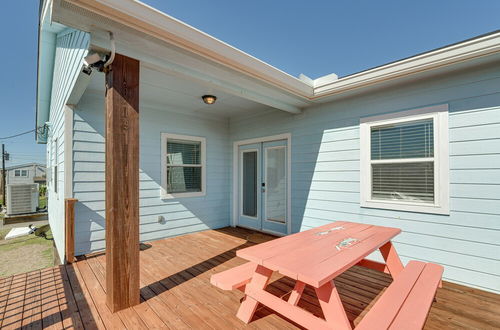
x,y
176,292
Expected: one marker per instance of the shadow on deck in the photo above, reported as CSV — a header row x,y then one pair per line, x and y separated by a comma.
x,y
176,292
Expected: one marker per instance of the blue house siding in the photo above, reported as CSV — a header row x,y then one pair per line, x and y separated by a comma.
x,y
70,49
182,215
326,170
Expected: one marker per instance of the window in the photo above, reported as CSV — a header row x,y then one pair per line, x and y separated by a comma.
x,y
21,173
404,161
183,166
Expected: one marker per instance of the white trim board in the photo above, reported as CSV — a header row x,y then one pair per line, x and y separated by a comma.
x,y
235,198
68,152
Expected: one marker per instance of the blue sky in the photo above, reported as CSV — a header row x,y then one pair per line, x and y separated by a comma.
x,y
311,37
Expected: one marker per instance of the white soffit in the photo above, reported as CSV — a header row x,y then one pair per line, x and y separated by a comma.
x,y
163,92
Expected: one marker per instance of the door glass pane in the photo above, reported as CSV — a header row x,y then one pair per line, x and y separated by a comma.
x,y
276,182
249,182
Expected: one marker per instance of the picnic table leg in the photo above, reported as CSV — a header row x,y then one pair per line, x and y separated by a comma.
x,y
392,261
391,257
331,305
259,281
296,293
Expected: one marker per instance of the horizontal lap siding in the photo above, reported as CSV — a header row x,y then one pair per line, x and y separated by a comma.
x,y
183,215
325,171
71,48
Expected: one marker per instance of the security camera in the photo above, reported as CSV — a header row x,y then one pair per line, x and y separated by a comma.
x,y
92,59
95,60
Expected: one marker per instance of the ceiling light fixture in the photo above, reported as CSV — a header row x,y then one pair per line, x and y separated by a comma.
x,y
209,99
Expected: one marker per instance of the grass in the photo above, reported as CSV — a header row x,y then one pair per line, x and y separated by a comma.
x,y
42,202
25,254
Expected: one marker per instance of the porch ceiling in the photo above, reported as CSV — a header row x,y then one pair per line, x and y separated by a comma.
x,y
162,91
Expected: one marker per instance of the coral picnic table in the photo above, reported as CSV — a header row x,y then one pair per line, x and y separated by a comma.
x,y
315,257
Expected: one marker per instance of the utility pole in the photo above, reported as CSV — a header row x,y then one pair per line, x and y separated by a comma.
x,y
4,200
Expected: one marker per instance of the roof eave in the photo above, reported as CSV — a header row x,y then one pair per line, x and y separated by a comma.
x,y
151,21
47,33
475,48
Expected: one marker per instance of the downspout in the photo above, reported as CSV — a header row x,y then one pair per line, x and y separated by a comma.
x,y
113,50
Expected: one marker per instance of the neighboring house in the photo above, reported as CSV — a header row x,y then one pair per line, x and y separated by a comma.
x,y
25,173
413,144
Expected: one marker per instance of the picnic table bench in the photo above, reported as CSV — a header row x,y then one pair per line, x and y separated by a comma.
x,y
315,257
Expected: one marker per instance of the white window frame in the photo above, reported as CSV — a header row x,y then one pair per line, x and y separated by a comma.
x,y
164,140
26,173
439,114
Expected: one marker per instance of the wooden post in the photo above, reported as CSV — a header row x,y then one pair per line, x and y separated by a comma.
x,y
122,183
69,209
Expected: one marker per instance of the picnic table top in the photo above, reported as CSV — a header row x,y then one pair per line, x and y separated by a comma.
x,y
318,255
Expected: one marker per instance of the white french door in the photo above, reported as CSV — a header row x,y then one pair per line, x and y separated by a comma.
x,y
263,186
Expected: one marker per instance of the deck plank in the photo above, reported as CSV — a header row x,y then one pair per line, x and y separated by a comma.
x,y
51,314
67,303
31,309
83,299
15,303
4,295
128,316
176,292
109,319
196,281
147,315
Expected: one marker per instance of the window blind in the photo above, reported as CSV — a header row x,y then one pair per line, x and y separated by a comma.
x,y
405,140
180,152
402,161
403,181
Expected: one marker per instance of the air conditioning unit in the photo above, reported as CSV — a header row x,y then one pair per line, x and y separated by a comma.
x,y
22,198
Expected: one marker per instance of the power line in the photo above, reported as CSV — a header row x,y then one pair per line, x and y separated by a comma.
x,y
16,135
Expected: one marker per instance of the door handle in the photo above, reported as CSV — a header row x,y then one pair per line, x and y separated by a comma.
x,y
263,187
